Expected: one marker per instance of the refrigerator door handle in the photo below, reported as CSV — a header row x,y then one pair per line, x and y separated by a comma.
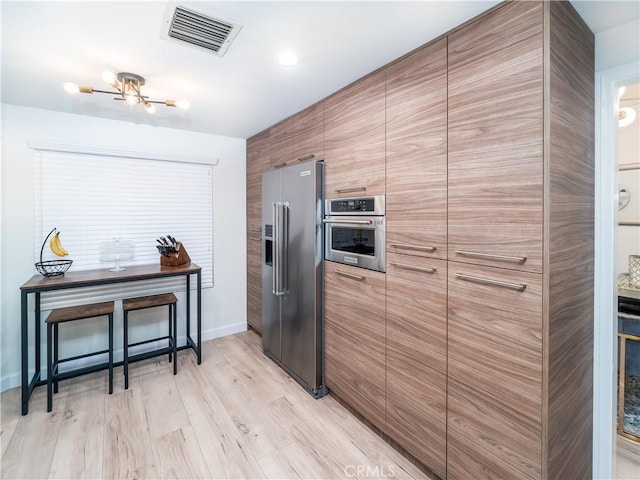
x,y
275,213
280,247
284,245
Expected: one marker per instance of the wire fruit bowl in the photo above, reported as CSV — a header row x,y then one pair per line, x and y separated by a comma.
x,y
53,268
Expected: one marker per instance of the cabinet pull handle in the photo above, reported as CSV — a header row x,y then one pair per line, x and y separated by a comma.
x,y
360,278
255,229
280,165
413,267
255,239
496,283
306,157
349,222
506,258
351,190
404,246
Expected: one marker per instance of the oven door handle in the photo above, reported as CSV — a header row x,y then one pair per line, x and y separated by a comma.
x,y
351,222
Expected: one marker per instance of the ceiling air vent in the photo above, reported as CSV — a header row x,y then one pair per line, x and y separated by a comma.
x,y
201,31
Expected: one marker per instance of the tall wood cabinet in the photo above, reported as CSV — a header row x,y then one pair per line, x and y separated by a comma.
x,y
416,228
416,153
298,138
354,139
355,338
520,223
257,164
474,350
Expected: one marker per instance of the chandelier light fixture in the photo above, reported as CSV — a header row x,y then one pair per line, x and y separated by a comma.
x,y
127,87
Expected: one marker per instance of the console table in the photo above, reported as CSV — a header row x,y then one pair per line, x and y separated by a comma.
x,y
89,278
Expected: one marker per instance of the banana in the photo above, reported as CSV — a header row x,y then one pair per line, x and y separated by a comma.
x,y
54,245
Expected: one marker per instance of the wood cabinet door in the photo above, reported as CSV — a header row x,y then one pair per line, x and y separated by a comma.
x,y
494,400
355,338
495,164
417,357
416,143
354,139
257,164
308,128
254,281
281,143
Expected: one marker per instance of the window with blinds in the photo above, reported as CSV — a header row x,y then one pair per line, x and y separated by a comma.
x,y
95,198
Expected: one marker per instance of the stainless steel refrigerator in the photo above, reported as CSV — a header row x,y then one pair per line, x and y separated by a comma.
x,y
292,272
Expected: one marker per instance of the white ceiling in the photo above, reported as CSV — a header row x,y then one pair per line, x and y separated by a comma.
x,y
45,44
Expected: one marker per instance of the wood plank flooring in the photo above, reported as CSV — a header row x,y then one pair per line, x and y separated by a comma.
x,y
235,416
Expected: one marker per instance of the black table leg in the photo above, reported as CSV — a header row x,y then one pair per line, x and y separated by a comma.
x,y
37,335
24,334
188,308
199,315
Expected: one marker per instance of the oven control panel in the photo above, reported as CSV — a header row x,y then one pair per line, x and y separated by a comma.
x,y
356,206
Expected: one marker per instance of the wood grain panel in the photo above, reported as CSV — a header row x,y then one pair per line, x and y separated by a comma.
x,y
355,338
416,157
281,143
257,163
254,283
416,410
308,130
417,310
354,139
494,423
495,137
569,251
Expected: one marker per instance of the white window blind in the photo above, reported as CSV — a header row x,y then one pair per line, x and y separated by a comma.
x,y
95,198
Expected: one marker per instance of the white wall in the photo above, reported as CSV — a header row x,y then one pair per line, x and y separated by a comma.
x,y
617,46
628,237
223,306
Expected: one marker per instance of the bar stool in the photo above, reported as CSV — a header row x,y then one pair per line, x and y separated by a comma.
x,y
139,303
70,314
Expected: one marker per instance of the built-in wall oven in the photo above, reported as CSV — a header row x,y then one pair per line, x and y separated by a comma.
x,y
355,231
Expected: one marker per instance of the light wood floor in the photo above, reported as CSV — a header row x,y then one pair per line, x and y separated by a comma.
x,y
235,416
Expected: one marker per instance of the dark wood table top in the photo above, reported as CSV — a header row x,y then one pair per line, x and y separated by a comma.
x,y
104,276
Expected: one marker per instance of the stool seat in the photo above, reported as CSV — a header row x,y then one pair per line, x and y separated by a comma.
x,y
139,303
79,312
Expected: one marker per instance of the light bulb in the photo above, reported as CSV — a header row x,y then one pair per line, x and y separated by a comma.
x,y
71,88
150,107
288,59
184,104
110,78
131,99
626,116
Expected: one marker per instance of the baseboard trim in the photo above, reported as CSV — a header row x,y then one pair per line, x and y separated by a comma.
x,y
13,379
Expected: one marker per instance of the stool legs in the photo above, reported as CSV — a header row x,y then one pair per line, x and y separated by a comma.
x,y
170,330
110,353
126,350
175,338
49,368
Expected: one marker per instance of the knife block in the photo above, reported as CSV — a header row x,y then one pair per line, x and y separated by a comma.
x,y
181,257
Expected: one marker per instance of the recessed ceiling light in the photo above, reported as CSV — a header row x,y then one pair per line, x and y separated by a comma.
x,y
287,59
